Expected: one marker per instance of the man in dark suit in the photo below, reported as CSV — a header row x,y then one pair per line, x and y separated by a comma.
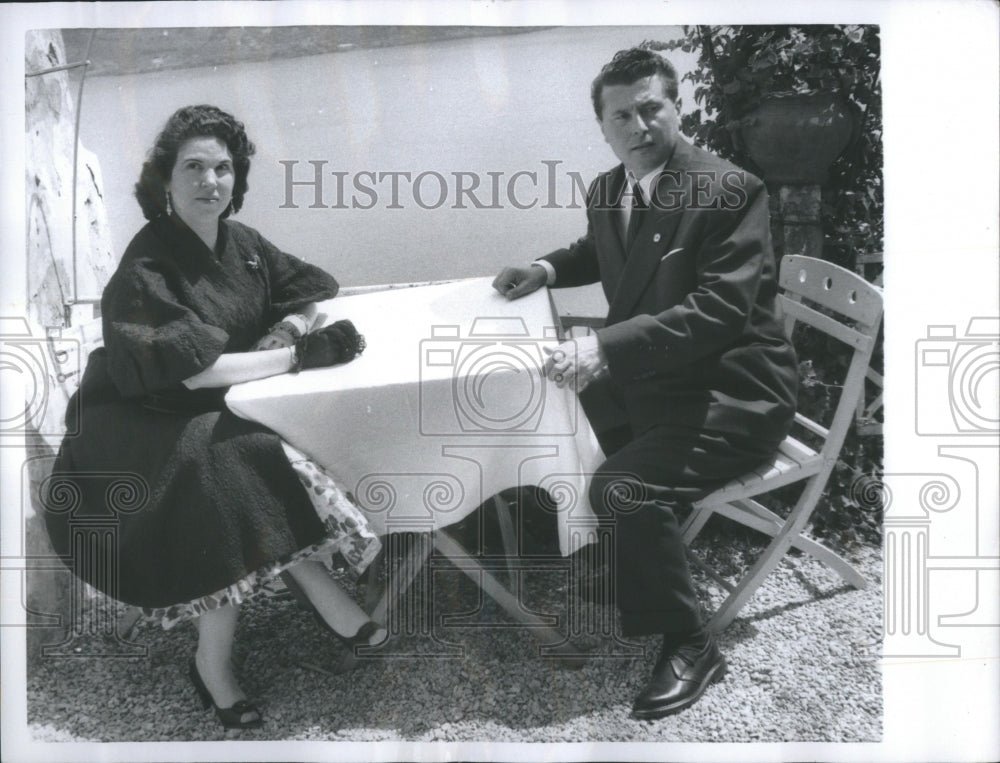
x,y
692,382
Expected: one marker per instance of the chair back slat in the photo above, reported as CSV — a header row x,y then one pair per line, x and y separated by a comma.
x,y
831,286
824,323
811,425
843,416
812,291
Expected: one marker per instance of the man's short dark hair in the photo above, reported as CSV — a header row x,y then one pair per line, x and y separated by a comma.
x,y
630,65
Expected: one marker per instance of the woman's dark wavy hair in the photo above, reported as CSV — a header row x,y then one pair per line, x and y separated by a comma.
x,y
192,122
633,64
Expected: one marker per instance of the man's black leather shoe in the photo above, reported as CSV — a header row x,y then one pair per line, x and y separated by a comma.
x,y
680,678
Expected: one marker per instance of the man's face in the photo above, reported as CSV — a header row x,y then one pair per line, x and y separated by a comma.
x,y
639,122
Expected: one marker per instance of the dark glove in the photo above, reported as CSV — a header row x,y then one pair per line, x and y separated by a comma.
x,y
328,346
283,334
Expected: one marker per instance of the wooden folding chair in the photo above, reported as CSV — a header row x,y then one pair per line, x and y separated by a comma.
x,y
859,307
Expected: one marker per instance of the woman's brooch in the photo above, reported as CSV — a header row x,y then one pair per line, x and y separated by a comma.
x,y
253,263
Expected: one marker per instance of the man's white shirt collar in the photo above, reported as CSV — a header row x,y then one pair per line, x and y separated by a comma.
x,y
645,182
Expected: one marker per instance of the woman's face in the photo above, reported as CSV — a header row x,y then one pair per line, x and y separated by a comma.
x,y
201,183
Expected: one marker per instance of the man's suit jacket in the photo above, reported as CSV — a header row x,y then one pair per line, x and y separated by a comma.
x,y
694,333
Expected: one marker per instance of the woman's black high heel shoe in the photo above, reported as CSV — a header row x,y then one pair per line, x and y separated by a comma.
x,y
231,717
361,638
349,660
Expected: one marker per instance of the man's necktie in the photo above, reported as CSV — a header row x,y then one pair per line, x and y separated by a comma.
x,y
639,208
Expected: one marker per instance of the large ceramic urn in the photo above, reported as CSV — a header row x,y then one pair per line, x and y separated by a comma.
x,y
794,138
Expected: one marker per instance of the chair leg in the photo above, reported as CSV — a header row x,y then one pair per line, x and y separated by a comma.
x,y
807,545
694,559
757,517
831,559
694,523
790,531
749,583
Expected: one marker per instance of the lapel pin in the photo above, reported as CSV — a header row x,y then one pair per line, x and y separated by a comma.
x,y
656,238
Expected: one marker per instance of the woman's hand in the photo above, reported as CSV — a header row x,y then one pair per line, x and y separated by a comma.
x,y
329,346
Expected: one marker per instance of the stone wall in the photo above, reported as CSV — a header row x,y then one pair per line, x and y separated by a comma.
x,y
54,311
50,122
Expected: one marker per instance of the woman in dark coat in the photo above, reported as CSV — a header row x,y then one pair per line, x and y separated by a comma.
x,y
218,505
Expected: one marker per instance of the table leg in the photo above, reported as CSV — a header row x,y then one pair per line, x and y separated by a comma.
x,y
397,584
495,589
508,536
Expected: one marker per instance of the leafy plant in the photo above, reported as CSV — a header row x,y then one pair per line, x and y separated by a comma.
x,y
738,67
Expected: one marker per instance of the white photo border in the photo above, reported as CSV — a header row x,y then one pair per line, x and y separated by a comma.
x,y
940,85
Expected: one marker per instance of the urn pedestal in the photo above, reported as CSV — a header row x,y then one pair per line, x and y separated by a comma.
x,y
793,140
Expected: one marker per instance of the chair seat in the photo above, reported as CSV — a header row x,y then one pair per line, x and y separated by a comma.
x,y
847,309
794,461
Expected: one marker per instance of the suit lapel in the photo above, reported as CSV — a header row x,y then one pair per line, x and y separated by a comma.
x,y
653,237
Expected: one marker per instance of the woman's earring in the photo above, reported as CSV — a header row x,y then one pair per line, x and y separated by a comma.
x,y
170,210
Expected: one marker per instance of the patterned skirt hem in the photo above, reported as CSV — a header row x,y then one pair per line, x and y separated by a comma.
x,y
252,584
348,533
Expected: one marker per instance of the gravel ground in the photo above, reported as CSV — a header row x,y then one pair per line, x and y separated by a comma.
x,y
803,666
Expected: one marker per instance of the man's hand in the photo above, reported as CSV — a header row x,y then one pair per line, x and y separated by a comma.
x,y
575,363
519,282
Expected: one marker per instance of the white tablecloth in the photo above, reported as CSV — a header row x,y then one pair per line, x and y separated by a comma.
x,y
445,408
